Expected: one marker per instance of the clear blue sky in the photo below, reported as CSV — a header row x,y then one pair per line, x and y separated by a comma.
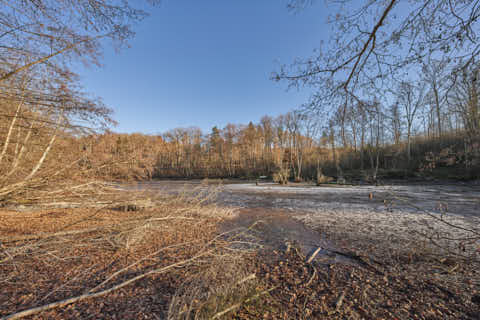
x,y
206,63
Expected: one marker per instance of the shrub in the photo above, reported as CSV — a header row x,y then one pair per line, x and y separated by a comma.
x,y
321,178
282,176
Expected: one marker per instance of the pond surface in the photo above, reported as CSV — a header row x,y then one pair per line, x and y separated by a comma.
x,y
459,199
291,214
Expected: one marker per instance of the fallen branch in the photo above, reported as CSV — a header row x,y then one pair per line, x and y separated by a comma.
x,y
134,264
65,302
48,235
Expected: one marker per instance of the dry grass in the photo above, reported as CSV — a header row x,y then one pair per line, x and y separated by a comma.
x,y
71,263
224,284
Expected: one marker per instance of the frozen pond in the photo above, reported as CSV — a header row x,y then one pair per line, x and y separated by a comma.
x,y
459,199
395,214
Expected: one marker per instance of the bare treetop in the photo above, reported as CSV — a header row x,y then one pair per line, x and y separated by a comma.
x,y
45,32
375,43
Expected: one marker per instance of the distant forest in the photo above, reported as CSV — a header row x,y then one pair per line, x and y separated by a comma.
x,y
366,146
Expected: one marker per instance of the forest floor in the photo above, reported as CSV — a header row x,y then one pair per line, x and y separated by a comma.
x,y
271,252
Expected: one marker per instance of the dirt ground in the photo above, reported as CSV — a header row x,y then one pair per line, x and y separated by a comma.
x,y
297,252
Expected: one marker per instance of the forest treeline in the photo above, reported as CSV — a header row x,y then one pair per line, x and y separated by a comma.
x,y
293,144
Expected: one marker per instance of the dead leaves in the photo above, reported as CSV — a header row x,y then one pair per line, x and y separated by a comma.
x,y
351,292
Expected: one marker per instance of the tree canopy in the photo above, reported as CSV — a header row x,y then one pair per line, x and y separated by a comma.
x,y
377,44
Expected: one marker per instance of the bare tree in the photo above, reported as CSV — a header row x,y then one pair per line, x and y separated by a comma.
x,y
396,123
411,97
38,42
47,33
43,113
433,72
463,99
375,118
377,43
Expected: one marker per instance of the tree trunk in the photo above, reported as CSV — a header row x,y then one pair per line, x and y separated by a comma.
x,y
437,108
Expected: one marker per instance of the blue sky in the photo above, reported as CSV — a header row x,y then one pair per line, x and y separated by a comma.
x,y
205,64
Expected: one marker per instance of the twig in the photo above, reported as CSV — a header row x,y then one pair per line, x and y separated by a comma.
x,y
250,277
238,305
49,235
314,254
313,276
289,246
473,231
339,302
